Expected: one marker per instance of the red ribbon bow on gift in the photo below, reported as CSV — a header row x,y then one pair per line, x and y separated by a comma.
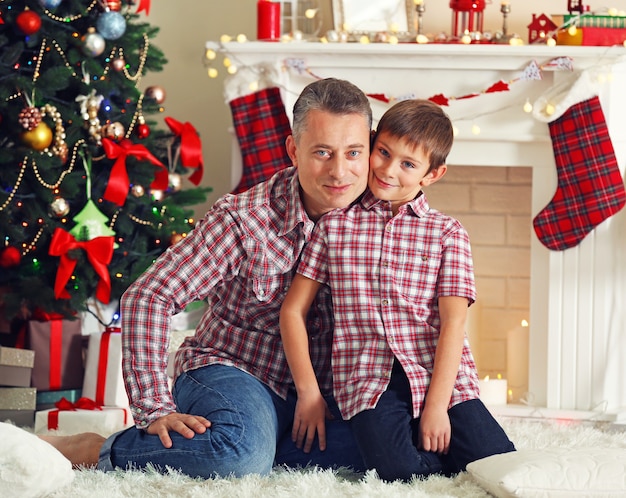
x,y
190,147
65,404
117,187
99,252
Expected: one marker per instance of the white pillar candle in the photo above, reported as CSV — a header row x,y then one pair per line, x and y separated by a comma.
x,y
493,392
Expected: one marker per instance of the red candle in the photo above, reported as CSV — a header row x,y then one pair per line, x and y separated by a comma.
x,y
268,20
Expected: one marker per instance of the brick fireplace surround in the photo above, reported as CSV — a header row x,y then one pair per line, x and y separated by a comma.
x,y
577,333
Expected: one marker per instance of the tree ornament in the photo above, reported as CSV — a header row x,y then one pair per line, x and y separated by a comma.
x,y
59,207
90,223
10,256
28,22
50,4
39,138
93,43
137,190
176,237
114,131
157,93
29,118
111,25
118,64
114,5
175,182
143,130
157,195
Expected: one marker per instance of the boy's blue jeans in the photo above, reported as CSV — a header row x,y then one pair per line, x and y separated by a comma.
x,y
250,432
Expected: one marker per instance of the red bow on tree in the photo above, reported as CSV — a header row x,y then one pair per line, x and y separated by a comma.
x,y
144,5
99,252
190,147
117,188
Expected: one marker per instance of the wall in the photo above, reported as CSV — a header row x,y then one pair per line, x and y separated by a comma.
x,y
494,205
191,96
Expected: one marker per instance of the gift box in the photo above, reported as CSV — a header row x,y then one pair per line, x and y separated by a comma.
x,y
58,346
16,366
104,381
47,399
69,419
18,398
17,404
593,30
21,418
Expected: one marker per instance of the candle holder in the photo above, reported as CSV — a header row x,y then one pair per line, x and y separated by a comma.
x,y
420,8
505,9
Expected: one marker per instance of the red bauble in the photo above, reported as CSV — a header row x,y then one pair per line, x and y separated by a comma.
x,y
28,22
114,5
143,131
10,256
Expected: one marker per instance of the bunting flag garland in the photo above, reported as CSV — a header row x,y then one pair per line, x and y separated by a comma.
x,y
118,184
532,71
190,147
99,253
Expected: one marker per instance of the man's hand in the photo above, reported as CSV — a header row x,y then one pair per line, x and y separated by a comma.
x,y
308,419
186,425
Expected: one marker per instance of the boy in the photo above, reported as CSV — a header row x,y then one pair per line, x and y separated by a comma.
x,y
401,280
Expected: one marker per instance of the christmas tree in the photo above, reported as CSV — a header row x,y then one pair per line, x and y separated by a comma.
x,y
90,189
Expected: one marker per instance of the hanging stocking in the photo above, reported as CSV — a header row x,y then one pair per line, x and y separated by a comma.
x,y
262,127
590,186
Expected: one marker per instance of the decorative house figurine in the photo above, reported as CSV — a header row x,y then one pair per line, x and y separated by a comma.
x,y
539,29
576,6
467,16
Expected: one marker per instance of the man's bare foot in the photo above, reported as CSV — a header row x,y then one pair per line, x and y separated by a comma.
x,y
83,450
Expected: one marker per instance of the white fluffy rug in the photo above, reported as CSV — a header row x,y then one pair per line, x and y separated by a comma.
x,y
322,483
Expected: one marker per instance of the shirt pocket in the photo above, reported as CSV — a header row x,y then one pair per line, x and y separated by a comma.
x,y
269,288
416,276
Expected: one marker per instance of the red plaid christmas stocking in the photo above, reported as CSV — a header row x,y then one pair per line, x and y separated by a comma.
x,y
262,127
590,186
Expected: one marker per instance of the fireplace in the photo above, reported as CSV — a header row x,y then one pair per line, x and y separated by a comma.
x,y
577,332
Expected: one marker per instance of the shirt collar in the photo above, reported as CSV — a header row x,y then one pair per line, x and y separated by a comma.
x,y
295,212
418,206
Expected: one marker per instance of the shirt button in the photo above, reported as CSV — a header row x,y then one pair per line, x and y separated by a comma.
x,y
385,302
388,228
385,264
261,292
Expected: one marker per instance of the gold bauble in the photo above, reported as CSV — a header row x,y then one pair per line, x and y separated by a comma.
x,y
39,138
175,182
176,237
157,93
137,190
114,131
59,207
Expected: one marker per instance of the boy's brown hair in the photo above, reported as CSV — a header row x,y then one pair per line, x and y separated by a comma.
x,y
421,123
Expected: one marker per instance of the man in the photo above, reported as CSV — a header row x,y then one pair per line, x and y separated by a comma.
x,y
232,405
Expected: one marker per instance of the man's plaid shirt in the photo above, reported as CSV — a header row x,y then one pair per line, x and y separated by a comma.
x,y
241,259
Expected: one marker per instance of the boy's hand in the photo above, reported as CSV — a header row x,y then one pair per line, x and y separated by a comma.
x,y
435,430
311,410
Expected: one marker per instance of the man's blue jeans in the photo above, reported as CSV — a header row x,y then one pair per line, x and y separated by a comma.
x,y
250,431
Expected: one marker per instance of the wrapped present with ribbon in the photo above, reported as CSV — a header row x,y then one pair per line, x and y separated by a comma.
x,y
190,147
104,381
85,415
58,346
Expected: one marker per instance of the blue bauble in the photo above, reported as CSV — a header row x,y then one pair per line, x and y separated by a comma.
x,y
111,25
50,4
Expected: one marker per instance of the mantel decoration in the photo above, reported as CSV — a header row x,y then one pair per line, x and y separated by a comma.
x,y
405,21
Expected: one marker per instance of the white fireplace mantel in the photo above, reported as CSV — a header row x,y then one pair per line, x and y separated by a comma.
x,y
577,321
